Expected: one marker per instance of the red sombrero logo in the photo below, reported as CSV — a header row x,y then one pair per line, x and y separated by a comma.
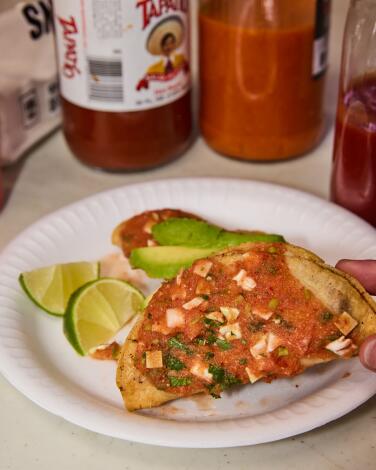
x,y
163,41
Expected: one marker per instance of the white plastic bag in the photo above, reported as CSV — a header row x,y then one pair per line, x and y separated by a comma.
x,y
29,94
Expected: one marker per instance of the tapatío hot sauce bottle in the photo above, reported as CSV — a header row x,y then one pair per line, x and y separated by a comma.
x,y
125,81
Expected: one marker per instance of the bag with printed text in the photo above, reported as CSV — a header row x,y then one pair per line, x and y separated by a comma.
x,y
29,94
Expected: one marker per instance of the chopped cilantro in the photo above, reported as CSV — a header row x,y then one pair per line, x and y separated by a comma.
x,y
224,345
243,361
326,316
222,377
230,380
282,351
217,372
209,355
174,342
179,381
200,341
174,363
272,250
212,323
211,338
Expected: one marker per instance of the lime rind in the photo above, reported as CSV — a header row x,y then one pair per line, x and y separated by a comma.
x,y
50,288
106,320
33,299
69,323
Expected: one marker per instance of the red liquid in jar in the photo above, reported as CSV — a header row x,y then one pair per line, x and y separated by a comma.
x,y
353,182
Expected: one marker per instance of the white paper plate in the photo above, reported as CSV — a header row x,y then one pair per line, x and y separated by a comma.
x,y
38,361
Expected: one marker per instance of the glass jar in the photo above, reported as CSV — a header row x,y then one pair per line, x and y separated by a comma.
x,y
125,81
262,67
353,183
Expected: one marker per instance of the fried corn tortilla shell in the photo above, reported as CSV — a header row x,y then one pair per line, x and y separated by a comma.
x,y
336,291
137,390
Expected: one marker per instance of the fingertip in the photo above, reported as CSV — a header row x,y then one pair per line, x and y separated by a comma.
x,y
363,270
367,353
342,263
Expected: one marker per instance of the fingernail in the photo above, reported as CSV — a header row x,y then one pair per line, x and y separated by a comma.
x,y
368,353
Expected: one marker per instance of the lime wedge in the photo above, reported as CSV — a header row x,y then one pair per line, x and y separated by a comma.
x,y
97,311
50,288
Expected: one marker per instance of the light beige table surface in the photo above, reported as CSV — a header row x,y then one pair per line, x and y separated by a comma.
x,y
31,438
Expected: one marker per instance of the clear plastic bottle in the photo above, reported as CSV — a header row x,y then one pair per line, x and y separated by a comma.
x,y
262,67
2,190
353,183
125,80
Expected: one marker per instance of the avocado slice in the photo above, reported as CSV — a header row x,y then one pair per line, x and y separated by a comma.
x,y
228,239
164,262
200,234
186,232
183,241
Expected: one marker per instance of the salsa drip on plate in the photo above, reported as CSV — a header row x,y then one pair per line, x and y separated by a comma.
x,y
236,318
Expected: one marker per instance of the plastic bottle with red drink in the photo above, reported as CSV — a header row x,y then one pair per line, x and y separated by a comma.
x,y
353,183
2,191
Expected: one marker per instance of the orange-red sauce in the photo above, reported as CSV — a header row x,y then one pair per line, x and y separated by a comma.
x,y
301,322
130,140
136,231
259,99
354,167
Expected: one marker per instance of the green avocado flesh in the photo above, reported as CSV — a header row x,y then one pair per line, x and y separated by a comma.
x,y
183,241
164,262
199,234
186,232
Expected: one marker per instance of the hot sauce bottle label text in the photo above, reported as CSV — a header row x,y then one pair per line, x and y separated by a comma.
x,y
123,55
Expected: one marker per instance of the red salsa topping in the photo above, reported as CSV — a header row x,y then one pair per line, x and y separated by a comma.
x,y
232,319
136,232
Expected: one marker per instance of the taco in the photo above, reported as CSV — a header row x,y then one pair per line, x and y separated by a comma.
x,y
260,311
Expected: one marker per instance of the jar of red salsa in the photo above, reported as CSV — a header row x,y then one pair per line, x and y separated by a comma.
x,y
353,183
125,80
262,73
